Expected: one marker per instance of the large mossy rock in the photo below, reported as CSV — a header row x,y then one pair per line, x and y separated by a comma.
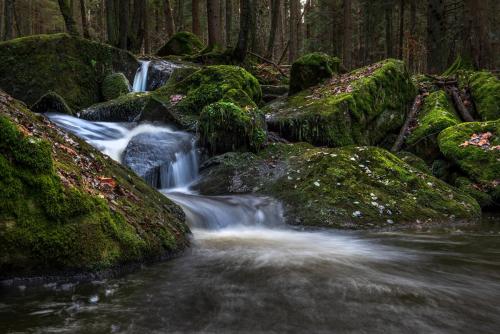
x,y
72,67
477,157
64,206
182,43
436,115
114,86
485,91
225,127
51,102
311,69
185,99
361,107
348,187
126,108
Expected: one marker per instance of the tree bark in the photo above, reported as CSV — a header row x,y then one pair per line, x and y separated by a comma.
x,y
275,17
169,19
459,105
401,28
436,53
69,21
476,35
85,23
124,20
136,29
8,32
112,9
214,24
240,51
417,104
347,47
413,29
389,45
195,9
293,32
229,21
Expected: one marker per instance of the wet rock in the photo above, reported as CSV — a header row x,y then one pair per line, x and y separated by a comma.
x,y
159,72
51,102
126,108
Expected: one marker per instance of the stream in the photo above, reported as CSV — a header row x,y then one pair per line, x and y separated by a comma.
x,y
247,271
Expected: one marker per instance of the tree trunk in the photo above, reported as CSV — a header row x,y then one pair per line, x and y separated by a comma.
x,y
123,26
401,28
389,45
476,35
147,43
85,23
293,32
8,32
436,53
69,21
214,24
136,29
195,9
112,19
229,21
169,19
275,17
347,48
413,29
246,8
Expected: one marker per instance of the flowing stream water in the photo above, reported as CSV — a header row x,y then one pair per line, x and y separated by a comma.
x,y
248,272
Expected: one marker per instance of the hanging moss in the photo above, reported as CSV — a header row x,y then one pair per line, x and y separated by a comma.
x,y
349,187
361,107
114,86
51,102
56,214
311,69
72,67
224,127
181,44
436,114
480,164
485,91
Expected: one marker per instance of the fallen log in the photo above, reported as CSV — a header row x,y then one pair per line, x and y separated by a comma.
x,y
459,105
417,104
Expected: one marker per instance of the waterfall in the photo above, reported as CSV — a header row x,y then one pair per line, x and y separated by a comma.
x,y
141,77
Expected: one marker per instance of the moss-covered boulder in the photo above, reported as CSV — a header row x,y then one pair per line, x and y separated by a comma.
x,y
475,149
181,44
225,127
348,187
311,69
414,161
361,107
437,114
114,86
126,108
66,207
186,99
72,67
484,87
51,102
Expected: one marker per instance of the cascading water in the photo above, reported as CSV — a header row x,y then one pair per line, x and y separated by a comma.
x,y
141,77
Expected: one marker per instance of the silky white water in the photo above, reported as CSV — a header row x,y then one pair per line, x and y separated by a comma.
x,y
141,77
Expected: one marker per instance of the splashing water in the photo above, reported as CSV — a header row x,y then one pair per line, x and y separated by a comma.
x,y
141,77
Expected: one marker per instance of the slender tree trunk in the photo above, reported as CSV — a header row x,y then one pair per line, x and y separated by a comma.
x,y
169,19
147,42
124,20
246,9
413,29
112,19
229,21
136,29
275,17
293,33
179,15
214,23
347,34
436,53
389,46
401,28
195,9
8,32
476,34
69,21
85,23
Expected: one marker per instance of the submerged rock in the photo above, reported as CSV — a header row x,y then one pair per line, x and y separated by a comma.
x,y
361,107
225,127
151,155
72,67
311,69
475,149
436,115
348,187
159,72
64,206
51,102
181,44
114,86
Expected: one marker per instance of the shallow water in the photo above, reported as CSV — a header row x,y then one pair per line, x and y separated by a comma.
x,y
248,272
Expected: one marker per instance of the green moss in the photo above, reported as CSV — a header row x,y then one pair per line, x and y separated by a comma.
x,y
485,91
414,161
348,187
56,215
224,127
480,164
460,64
114,86
361,107
209,85
436,115
125,108
69,66
311,69
181,44
51,102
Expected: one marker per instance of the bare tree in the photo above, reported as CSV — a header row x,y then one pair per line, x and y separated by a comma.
x,y
69,21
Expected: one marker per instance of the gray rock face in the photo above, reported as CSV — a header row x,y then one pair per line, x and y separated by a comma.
x,y
164,159
159,72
